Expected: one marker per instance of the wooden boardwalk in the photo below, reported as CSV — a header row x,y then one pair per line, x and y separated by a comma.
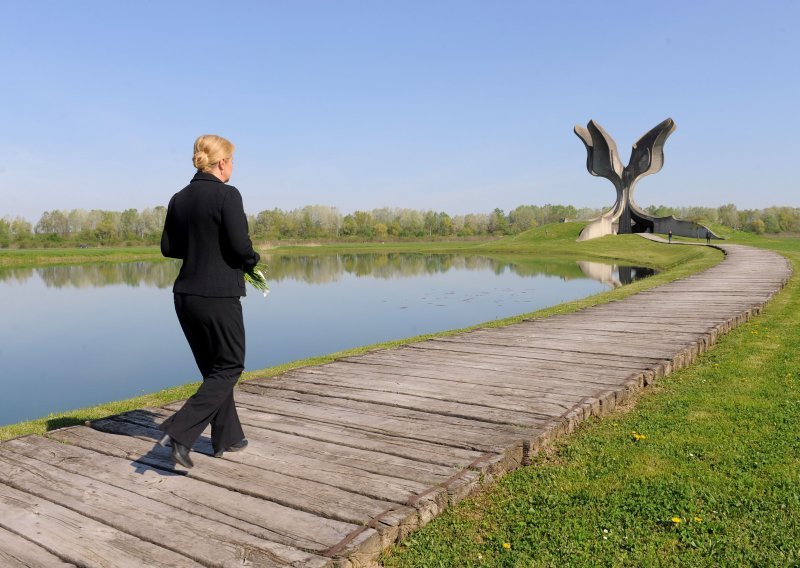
x,y
349,457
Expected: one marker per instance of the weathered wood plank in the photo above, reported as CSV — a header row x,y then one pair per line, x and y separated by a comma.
x,y
192,536
78,539
19,552
494,396
566,355
260,518
521,380
346,435
500,367
474,435
294,462
533,335
611,339
461,410
315,498
455,378
610,329
619,350
372,473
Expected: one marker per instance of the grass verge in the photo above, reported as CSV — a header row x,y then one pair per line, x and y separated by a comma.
x,y
26,258
702,470
675,262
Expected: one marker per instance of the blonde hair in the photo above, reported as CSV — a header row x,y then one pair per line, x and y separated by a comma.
x,y
209,149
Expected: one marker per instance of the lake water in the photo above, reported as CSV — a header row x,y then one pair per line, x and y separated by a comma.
x,y
74,336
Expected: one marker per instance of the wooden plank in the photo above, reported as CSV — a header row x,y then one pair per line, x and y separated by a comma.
x,y
293,461
19,552
500,367
315,498
532,383
474,374
191,536
620,349
516,366
461,410
586,334
348,436
599,361
494,396
371,473
391,421
260,518
619,329
78,539
624,317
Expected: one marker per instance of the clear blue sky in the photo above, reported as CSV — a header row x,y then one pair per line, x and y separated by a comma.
x,y
460,106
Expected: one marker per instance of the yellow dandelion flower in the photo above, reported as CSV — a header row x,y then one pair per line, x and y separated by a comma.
x,y
698,520
506,545
676,520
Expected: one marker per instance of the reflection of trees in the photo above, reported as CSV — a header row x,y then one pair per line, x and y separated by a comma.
x,y
329,268
15,274
318,269
153,274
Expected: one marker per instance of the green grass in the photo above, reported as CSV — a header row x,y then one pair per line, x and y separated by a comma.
x,y
714,482
675,262
26,258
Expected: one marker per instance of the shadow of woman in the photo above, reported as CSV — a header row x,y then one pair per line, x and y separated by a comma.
x,y
143,424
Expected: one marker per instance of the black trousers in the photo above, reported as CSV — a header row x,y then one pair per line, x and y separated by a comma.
x,y
215,330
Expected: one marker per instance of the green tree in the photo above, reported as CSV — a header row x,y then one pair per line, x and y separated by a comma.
x,y
127,224
728,215
498,223
757,226
5,233
349,226
522,218
364,224
380,230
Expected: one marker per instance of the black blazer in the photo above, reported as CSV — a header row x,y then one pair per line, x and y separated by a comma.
x,y
206,227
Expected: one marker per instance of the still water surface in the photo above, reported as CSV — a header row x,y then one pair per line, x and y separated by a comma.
x,y
74,336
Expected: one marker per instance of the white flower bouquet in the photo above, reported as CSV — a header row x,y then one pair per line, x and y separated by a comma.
x,y
256,278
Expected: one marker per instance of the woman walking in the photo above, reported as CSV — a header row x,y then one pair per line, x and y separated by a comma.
x,y
206,227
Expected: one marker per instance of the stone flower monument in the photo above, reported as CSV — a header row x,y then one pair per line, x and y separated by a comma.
x,y
647,157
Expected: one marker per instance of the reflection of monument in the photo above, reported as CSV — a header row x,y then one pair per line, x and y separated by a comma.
x,y
613,275
647,157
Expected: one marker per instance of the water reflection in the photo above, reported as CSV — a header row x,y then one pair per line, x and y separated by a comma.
x,y
322,269
157,274
613,275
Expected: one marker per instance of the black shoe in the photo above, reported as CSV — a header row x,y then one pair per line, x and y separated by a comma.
x,y
180,454
237,447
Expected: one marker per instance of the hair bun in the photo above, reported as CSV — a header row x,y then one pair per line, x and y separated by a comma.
x,y
200,160
209,149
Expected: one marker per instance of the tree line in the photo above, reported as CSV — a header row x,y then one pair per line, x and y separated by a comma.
x,y
78,227
770,220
